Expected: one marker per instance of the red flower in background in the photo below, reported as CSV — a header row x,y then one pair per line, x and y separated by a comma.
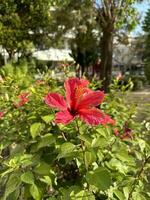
x,y
80,102
23,98
1,114
126,132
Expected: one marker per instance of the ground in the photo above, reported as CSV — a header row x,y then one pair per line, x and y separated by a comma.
x,y
142,101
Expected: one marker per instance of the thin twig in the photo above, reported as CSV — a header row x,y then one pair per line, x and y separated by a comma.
x,y
137,177
63,135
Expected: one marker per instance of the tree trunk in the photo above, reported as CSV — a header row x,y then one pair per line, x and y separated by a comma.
x,y
81,61
11,55
106,58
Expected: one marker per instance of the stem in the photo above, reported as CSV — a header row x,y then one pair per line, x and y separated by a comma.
x,y
138,174
82,144
63,135
78,129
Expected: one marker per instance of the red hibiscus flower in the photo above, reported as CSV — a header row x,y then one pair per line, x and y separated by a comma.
x,y
1,114
23,98
126,132
80,102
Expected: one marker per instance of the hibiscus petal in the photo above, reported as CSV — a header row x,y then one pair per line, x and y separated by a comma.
x,y
55,100
107,120
63,117
94,116
92,98
71,86
91,116
84,82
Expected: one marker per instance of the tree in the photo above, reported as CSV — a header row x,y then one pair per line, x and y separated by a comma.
x,y
106,16
112,15
146,28
79,18
24,24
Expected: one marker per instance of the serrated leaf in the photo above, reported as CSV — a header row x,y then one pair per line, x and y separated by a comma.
x,y
35,129
66,149
84,195
99,142
86,139
42,168
46,180
119,194
138,196
27,177
89,157
46,140
12,184
35,193
124,156
102,132
126,192
100,178
48,118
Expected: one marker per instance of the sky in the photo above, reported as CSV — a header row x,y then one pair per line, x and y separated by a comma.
x,y
142,8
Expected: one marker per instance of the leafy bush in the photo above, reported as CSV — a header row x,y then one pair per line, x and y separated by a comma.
x,y
44,159
147,71
137,80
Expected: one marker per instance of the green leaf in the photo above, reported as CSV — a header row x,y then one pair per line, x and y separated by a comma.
x,y
46,180
86,139
124,156
12,184
35,129
4,144
102,132
42,168
119,194
48,118
84,195
27,177
126,192
34,191
66,149
99,142
138,196
89,157
99,178
46,140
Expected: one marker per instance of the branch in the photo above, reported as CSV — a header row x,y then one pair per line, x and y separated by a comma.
x,y
107,8
137,177
100,14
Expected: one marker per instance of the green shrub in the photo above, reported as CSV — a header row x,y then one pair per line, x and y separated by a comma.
x,y
41,159
147,71
138,81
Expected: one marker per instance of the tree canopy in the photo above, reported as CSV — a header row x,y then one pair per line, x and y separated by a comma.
x,y
107,17
23,24
146,28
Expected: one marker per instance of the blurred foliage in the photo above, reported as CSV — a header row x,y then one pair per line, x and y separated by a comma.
x,y
23,25
138,81
146,28
100,21
43,160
